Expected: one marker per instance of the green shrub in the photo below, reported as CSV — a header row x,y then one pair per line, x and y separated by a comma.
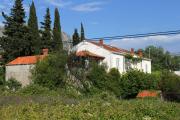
x,y
134,81
112,84
2,80
98,75
126,86
13,84
36,90
51,72
170,86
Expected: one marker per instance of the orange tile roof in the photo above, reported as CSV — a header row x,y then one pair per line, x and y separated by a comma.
x,y
27,60
87,54
111,48
147,93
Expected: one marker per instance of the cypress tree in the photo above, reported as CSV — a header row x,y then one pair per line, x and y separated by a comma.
x,y
57,39
14,43
75,37
82,33
33,30
46,39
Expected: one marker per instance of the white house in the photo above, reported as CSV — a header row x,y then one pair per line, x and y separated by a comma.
x,y
113,57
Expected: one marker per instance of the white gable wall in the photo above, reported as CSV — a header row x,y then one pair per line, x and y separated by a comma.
x,y
96,50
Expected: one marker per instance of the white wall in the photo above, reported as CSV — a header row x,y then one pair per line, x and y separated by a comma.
x,y
117,62
177,72
20,72
146,66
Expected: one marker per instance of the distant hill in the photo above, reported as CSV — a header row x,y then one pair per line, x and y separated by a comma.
x,y
67,44
176,54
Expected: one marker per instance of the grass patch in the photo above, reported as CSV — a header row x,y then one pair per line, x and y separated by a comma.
x,y
97,108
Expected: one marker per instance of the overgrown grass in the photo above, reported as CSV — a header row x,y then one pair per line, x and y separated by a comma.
x,y
102,107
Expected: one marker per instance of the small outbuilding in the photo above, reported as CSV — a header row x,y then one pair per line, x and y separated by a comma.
x,y
20,68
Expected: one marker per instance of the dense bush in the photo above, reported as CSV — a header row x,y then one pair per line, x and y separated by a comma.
x,y
13,84
126,86
98,75
113,82
170,86
134,81
51,72
2,80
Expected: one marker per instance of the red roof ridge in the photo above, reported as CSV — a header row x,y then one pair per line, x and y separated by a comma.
x,y
110,48
25,60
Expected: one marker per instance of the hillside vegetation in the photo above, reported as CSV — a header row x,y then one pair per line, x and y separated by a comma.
x,y
103,107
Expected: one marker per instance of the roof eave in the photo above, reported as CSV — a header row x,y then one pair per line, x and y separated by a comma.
x,y
20,64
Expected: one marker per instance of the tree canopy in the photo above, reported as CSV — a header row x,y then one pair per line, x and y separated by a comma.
x,y
33,30
76,38
46,39
162,59
57,38
15,42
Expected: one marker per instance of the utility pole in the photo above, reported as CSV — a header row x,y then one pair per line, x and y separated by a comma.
x,y
149,53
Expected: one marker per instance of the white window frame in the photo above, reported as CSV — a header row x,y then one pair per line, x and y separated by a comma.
x,y
117,63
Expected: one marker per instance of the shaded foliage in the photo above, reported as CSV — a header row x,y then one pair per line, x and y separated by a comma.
x,y
135,81
13,84
170,86
51,72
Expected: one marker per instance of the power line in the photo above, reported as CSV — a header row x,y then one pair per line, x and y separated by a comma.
x,y
129,36
137,35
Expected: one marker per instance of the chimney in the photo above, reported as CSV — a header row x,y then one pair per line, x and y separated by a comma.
x,y
45,51
140,53
101,42
132,51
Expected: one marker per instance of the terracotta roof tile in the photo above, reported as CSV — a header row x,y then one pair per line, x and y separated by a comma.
x,y
147,93
27,60
110,48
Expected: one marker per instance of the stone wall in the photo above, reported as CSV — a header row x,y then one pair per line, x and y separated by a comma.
x,y
21,73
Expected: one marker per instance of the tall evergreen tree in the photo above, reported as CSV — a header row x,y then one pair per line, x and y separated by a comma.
x,y
14,43
33,30
76,38
46,39
57,38
82,33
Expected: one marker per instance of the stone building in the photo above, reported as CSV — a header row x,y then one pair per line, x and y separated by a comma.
x,y
20,68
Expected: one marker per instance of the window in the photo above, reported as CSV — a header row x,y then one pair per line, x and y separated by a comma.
x,y
146,68
117,62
